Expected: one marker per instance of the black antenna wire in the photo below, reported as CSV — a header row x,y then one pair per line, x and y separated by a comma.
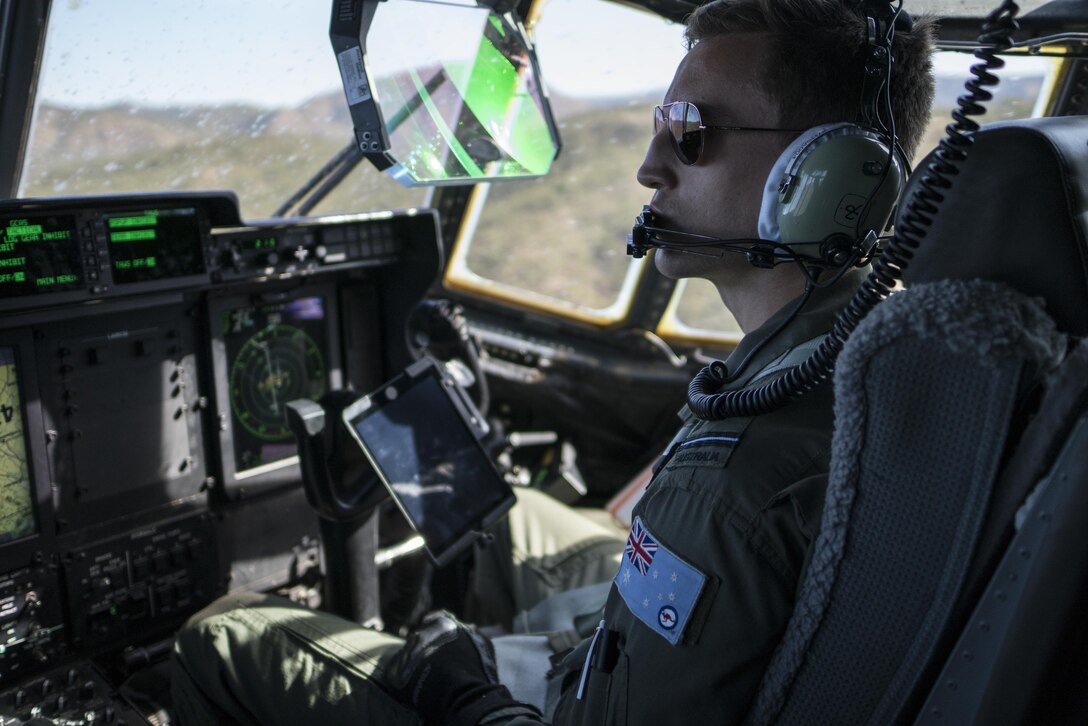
x,y
916,220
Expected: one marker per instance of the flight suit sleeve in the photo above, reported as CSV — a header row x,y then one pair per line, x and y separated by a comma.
x,y
711,669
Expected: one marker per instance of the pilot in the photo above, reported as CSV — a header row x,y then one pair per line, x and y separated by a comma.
x,y
708,573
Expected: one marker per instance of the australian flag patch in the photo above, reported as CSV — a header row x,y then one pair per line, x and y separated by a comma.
x,y
659,588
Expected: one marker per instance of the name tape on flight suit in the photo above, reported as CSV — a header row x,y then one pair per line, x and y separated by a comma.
x,y
658,587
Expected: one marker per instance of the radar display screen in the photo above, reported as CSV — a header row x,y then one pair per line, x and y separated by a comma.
x,y
154,244
38,255
275,354
16,501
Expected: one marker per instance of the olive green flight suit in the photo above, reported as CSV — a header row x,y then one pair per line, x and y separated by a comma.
x,y
738,501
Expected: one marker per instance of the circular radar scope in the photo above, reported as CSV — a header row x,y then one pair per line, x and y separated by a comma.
x,y
279,363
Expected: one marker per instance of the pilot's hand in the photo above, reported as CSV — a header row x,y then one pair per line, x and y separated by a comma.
x,y
446,671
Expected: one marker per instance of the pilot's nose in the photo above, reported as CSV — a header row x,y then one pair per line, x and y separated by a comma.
x,y
656,170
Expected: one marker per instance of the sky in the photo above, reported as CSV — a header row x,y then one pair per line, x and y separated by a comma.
x,y
276,52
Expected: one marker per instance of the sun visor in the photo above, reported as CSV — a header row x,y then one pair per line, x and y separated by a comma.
x,y
443,93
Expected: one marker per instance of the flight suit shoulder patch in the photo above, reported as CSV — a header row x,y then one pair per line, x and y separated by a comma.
x,y
707,448
659,588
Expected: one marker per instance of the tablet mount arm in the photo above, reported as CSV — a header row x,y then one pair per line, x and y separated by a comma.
x,y
340,484
345,493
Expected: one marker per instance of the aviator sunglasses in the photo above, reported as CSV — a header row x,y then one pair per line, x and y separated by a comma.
x,y
686,127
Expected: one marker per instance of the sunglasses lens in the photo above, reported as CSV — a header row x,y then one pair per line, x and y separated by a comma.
x,y
659,119
685,126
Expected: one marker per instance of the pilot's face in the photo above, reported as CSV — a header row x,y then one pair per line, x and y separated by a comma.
x,y
720,194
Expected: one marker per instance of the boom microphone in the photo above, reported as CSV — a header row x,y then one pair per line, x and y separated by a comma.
x,y
836,251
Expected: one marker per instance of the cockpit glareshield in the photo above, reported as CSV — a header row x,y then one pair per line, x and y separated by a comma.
x,y
452,97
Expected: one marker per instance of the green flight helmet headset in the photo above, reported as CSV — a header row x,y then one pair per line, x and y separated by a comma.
x,y
827,198
829,189
837,183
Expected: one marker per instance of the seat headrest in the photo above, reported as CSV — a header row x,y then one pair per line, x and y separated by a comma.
x,y
1016,213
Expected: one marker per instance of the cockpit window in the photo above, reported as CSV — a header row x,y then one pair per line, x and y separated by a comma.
x,y
696,312
195,94
559,243
965,8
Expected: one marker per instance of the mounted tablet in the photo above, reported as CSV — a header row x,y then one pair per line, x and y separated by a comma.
x,y
421,434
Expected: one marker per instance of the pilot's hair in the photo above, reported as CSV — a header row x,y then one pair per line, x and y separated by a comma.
x,y
815,68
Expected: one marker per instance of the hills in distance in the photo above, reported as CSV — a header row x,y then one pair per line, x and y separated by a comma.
x,y
584,207
112,148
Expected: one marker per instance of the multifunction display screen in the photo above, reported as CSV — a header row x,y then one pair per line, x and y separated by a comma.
x,y
154,244
275,354
39,254
16,500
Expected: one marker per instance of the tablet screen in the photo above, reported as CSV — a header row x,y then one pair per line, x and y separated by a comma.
x,y
433,464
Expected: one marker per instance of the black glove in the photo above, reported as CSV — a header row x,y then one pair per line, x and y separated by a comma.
x,y
446,671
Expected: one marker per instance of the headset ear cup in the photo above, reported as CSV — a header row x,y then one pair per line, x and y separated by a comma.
x,y
771,206
830,182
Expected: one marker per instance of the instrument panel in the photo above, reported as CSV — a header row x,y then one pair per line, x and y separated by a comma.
x,y
148,345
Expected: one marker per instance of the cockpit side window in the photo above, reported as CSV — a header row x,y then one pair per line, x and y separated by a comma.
x,y
559,243
169,95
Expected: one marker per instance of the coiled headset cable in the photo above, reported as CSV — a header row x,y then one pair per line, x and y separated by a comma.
x,y
916,220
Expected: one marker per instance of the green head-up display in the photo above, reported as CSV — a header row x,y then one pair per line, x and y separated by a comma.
x,y
456,101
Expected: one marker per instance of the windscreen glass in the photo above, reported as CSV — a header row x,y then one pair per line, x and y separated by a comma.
x,y
965,8
460,94
558,243
195,94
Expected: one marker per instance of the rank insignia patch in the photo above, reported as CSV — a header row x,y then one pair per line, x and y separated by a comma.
x,y
659,588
